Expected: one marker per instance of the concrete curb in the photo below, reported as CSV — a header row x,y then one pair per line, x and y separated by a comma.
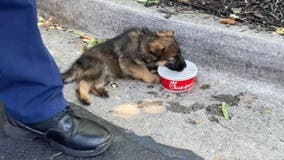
x,y
211,45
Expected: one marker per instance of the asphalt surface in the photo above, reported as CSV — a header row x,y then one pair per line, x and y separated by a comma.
x,y
126,146
203,39
191,120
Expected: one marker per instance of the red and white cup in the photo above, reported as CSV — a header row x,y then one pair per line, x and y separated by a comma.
x,y
178,81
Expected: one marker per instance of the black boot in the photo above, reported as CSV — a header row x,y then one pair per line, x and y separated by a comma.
x,y
70,134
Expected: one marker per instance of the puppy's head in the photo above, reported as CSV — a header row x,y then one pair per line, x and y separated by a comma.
x,y
166,50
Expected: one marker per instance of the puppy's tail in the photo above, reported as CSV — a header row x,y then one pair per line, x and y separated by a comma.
x,y
70,75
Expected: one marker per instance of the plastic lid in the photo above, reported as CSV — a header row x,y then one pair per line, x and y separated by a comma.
x,y
189,72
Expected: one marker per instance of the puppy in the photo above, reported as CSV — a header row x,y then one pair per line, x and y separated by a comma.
x,y
131,54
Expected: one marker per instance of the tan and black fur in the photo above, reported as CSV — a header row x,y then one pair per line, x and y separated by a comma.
x,y
131,54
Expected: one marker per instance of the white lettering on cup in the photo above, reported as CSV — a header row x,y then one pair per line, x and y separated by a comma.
x,y
173,86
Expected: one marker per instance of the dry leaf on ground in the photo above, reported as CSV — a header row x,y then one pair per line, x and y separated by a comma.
x,y
228,21
86,38
279,30
48,23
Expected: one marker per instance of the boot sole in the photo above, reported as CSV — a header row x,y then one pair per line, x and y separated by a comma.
x,y
23,134
79,153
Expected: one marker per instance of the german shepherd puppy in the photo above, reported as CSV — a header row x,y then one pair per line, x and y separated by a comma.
x,y
131,54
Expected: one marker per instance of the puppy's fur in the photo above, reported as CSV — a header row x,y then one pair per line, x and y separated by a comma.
x,y
130,54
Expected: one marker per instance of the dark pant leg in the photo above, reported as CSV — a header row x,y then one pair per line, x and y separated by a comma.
x,y
30,81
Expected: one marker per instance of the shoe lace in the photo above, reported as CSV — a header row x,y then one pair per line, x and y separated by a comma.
x,y
67,110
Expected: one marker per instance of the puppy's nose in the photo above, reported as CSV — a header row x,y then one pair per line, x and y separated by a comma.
x,y
182,65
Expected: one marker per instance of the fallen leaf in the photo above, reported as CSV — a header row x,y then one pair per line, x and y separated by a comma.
x,y
199,121
236,10
40,23
279,30
229,21
78,33
218,158
86,38
48,23
225,111
91,42
266,111
40,19
234,16
58,27
142,1
148,1
184,1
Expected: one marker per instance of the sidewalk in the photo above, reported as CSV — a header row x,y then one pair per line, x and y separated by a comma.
x,y
190,120
202,38
246,75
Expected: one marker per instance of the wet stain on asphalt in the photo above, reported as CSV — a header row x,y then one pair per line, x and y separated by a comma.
x,y
205,86
155,94
150,86
213,119
231,100
214,109
190,121
179,108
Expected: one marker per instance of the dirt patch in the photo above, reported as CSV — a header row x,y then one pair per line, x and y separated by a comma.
x,y
213,119
266,110
126,110
150,86
179,108
194,121
152,107
268,14
196,107
214,110
190,121
231,100
152,93
205,86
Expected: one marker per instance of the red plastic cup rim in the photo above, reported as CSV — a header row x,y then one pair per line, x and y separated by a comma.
x,y
178,81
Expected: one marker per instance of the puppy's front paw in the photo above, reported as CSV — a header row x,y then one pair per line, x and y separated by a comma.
x,y
103,93
100,92
152,78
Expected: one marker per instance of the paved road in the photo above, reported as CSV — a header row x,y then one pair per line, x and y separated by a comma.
x,y
191,120
126,146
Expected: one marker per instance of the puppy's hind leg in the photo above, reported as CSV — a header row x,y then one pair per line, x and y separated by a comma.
x,y
83,90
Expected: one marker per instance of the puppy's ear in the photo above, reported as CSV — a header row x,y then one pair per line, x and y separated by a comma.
x,y
165,33
156,47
